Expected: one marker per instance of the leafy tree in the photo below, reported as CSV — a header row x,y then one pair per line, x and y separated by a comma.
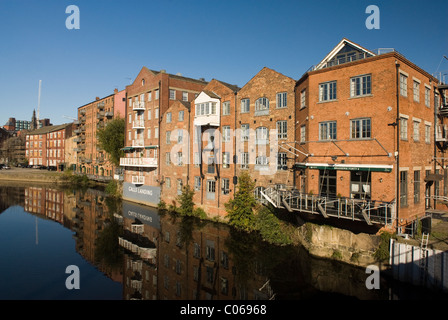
x,y
111,139
186,201
241,209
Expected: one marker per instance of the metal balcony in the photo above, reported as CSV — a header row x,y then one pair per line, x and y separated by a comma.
x,y
138,105
138,124
139,162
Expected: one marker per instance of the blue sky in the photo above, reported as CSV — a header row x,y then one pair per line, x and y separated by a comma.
x,y
227,40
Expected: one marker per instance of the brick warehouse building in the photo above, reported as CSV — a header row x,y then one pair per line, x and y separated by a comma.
x,y
93,116
342,131
366,132
148,98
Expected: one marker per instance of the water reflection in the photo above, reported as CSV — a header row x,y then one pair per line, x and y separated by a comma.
x,y
155,255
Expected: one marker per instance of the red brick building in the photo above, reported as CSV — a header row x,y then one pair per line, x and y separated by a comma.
x,y
46,146
366,131
91,159
148,98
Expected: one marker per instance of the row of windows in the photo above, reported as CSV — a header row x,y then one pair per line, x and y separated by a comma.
x,y
362,129
262,103
362,86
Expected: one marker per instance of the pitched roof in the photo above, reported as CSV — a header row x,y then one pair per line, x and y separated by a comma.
x,y
48,129
338,48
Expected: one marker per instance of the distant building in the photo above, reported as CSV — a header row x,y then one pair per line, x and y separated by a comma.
x,y
13,125
46,146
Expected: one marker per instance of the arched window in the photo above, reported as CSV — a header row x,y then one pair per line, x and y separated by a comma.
x,y
262,104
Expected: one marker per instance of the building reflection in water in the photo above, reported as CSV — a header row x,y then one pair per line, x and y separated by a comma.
x,y
161,256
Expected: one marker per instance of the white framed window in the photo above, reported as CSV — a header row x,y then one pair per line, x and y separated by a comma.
x,y
184,96
416,91
416,130
149,96
281,161
427,133
168,137
327,91
245,105
168,182
167,158
302,134
180,135
282,101
360,85
282,129
149,133
245,132
360,128
156,132
226,108
225,186
181,115
403,85
197,183
303,99
226,160
149,114
262,135
244,160
327,130
172,94
403,128
211,189
157,94
262,104
156,113
226,133
180,161
168,117
206,108
427,97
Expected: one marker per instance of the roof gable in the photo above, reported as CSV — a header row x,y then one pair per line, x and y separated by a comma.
x,y
345,51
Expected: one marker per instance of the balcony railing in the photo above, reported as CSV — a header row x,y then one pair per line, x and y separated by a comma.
x,y
138,105
139,162
139,143
138,124
109,114
138,179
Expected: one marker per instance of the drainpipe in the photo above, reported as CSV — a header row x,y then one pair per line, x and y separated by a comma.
x,y
188,149
435,148
235,157
397,66
158,140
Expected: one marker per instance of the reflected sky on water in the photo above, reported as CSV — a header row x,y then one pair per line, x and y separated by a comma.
x,y
127,251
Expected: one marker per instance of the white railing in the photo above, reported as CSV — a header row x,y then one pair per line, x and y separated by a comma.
x,y
139,143
138,124
138,179
139,162
138,105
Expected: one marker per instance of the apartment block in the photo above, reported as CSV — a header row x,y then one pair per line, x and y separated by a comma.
x,y
92,160
46,146
148,98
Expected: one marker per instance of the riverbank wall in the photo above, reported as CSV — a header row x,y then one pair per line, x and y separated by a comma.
x,y
31,175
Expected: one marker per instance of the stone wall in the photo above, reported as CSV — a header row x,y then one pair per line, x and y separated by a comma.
x,y
330,242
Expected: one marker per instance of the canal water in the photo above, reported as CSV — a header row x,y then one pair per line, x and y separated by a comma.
x,y
66,244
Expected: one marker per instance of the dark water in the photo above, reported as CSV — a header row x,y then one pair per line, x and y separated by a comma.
x,y
127,251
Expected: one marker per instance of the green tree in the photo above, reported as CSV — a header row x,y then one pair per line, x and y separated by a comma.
x,y
241,209
111,139
186,201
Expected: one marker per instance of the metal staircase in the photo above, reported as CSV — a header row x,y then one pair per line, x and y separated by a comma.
x,y
369,211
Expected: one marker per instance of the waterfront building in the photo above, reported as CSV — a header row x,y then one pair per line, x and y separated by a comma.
x,y
46,146
148,98
366,133
92,160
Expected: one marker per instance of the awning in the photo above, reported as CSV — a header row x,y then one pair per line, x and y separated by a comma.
x,y
151,147
345,167
127,148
